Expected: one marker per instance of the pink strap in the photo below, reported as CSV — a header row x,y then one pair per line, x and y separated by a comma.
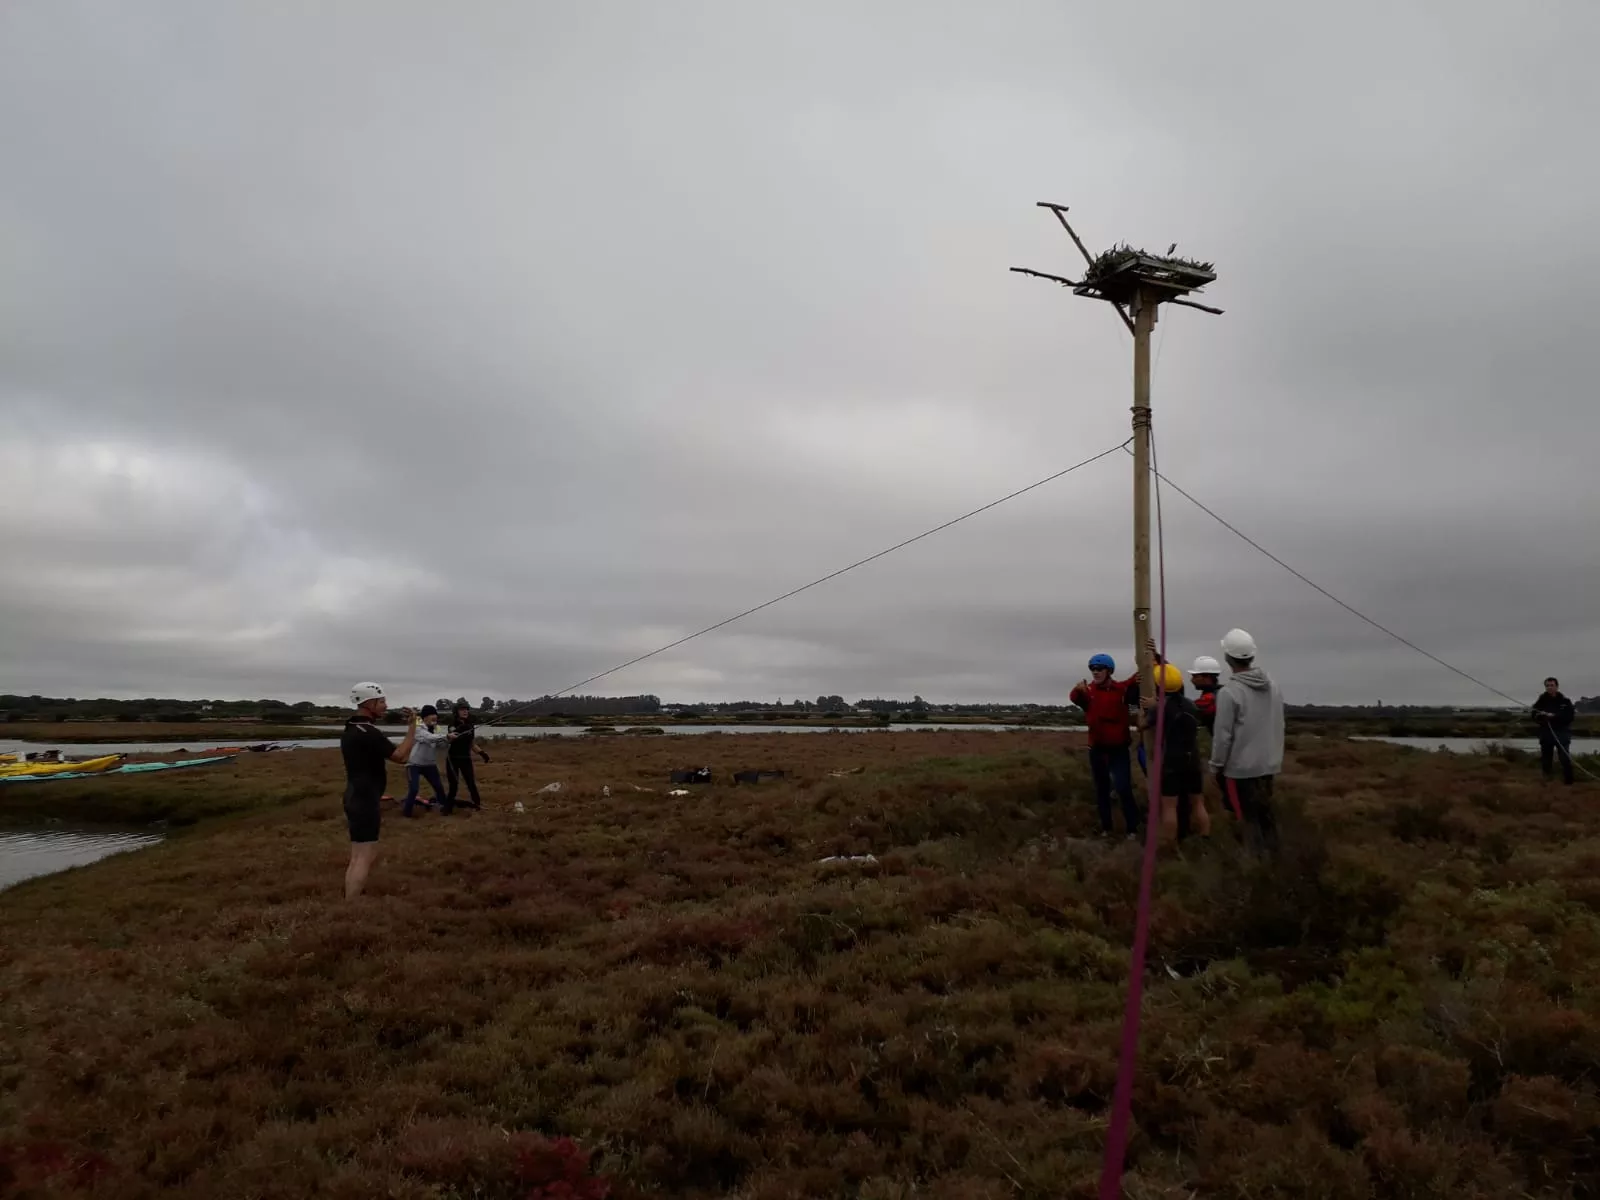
x,y
1122,1099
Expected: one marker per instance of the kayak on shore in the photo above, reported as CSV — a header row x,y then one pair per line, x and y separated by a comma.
x,y
65,771
37,769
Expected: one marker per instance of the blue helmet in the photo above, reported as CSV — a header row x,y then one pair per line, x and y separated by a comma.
x,y
1104,661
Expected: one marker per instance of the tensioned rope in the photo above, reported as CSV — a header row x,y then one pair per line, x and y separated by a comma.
x,y
814,583
1351,609
1355,612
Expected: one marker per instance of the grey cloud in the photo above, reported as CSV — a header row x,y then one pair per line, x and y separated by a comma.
x,y
480,351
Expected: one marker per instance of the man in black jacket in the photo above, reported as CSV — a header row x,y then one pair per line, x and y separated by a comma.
x,y
1552,713
458,762
367,751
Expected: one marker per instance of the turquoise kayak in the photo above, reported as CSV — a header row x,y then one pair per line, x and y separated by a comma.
x,y
128,769
171,766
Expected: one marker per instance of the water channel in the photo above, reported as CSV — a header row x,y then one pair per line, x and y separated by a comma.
x,y
26,853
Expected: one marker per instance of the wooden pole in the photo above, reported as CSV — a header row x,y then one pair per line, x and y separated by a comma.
x,y
1144,321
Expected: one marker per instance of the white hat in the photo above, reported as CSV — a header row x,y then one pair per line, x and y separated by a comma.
x,y
362,692
1236,643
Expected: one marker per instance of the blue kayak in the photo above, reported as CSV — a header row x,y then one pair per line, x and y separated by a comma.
x,y
127,769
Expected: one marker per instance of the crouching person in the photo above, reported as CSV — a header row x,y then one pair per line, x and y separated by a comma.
x,y
1247,739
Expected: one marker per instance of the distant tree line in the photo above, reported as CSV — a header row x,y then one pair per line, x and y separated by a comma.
x,y
576,706
51,708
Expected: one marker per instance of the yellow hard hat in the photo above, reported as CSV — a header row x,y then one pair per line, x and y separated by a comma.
x,y
1169,677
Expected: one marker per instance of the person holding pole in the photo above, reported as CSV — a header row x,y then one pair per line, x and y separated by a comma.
x,y
1204,675
1553,714
1247,741
1105,703
1183,806
367,753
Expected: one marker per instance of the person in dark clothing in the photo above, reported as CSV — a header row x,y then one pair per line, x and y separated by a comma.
x,y
1182,782
1105,703
1206,675
458,760
367,752
1552,714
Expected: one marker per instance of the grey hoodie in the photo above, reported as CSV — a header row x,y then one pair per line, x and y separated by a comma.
x,y
1248,739
425,750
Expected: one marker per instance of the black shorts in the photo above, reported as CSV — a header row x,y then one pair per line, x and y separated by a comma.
x,y
361,814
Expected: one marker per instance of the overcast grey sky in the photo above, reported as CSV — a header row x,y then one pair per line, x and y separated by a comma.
x,y
475,348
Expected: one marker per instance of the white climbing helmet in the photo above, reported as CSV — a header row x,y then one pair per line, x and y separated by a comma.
x,y
1236,643
362,692
1206,665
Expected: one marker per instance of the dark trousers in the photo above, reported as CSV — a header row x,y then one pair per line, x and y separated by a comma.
x,y
457,769
1552,747
414,777
1185,804
1255,806
1110,768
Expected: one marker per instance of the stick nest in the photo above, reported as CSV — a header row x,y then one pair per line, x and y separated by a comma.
x,y
1112,260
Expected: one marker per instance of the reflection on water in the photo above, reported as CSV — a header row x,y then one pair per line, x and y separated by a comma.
x,y
26,853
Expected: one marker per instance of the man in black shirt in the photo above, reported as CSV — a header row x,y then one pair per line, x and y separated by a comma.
x,y
458,762
367,753
1553,713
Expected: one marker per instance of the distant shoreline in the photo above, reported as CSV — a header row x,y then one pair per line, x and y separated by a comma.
x,y
245,733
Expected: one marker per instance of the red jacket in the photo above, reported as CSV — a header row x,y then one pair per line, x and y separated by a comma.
x,y
1105,706
1206,703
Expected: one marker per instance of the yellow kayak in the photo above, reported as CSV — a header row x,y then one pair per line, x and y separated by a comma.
x,y
36,768
8,758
